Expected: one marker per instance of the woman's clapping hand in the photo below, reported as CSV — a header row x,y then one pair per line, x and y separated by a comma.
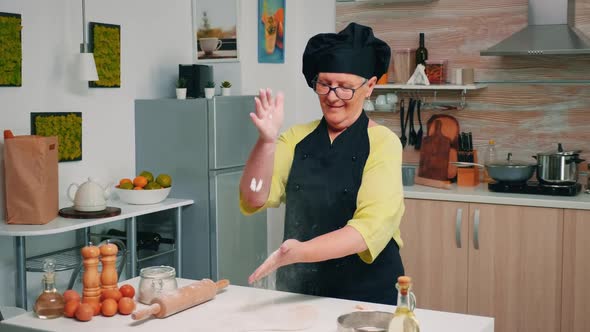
x,y
269,115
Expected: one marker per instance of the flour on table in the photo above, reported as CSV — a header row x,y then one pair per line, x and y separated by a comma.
x,y
284,318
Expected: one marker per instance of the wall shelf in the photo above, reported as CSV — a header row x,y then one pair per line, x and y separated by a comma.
x,y
418,91
431,87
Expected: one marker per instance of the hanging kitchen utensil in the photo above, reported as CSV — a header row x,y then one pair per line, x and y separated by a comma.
x,y
412,138
402,123
420,133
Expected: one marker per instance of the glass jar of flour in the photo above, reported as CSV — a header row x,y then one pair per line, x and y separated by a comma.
x,y
155,280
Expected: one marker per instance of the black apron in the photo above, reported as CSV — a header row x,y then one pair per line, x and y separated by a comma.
x,y
321,197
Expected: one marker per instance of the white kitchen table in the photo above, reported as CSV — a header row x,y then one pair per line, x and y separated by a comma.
x,y
249,309
60,225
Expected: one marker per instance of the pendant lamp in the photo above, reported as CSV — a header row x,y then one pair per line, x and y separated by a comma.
x,y
86,64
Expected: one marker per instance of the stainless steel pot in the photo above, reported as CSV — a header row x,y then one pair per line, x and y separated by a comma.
x,y
506,170
558,166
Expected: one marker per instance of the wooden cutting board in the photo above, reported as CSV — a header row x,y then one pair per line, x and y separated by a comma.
x,y
450,129
434,155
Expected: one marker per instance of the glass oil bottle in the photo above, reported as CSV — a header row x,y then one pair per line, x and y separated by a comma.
x,y
50,304
404,319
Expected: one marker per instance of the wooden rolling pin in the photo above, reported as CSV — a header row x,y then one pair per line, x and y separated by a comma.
x,y
181,299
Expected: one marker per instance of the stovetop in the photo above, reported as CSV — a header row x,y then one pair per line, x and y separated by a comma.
x,y
536,188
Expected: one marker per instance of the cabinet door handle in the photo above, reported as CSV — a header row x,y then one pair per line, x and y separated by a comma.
x,y
458,227
476,229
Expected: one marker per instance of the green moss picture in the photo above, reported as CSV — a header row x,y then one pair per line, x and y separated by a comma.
x,y
105,43
11,54
68,129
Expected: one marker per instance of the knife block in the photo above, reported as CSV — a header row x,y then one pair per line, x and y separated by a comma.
x,y
468,176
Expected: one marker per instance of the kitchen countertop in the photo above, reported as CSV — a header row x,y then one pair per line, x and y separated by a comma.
x,y
249,309
481,194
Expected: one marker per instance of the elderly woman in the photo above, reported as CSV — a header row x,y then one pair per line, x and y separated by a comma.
x,y
340,177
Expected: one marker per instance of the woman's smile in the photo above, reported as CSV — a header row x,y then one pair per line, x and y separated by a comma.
x,y
335,107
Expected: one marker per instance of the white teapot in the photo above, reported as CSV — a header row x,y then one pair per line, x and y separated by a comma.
x,y
90,196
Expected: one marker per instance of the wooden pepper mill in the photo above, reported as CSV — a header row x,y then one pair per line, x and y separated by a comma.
x,y
108,257
91,279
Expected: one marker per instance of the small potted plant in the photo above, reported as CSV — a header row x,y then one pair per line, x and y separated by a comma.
x,y
226,88
210,90
181,88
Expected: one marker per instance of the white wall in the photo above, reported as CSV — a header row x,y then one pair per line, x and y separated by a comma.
x,y
155,38
304,18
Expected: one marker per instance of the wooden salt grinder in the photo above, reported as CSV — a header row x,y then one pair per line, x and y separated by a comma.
x,y
91,279
108,257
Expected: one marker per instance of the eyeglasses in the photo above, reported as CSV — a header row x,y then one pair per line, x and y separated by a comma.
x,y
323,89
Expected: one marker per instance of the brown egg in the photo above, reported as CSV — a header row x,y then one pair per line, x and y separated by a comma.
x,y
109,307
84,312
114,294
70,308
126,306
127,291
71,294
95,308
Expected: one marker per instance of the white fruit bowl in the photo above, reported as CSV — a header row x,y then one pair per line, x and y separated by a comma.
x,y
141,197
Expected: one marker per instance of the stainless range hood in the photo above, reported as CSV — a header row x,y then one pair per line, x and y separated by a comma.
x,y
550,31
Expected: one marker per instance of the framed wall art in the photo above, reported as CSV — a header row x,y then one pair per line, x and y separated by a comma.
x,y
271,31
67,126
11,53
105,43
215,35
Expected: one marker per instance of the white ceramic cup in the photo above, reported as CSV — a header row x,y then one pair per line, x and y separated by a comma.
x,y
210,45
391,98
368,105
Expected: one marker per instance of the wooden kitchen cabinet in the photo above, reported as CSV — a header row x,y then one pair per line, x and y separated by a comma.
x,y
515,266
576,272
510,270
433,256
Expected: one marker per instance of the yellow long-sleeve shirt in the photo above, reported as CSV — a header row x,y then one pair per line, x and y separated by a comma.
x,y
380,201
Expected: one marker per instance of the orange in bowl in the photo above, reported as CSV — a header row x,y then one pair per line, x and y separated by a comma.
x,y
140,181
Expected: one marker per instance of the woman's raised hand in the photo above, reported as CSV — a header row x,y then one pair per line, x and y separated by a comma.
x,y
269,115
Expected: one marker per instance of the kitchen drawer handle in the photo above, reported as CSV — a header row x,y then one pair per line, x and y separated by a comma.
x,y
458,227
476,229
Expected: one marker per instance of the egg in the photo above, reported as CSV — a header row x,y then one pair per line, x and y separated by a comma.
x,y
109,307
127,291
71,294
84,312
126,306
114,294
95,308
70,308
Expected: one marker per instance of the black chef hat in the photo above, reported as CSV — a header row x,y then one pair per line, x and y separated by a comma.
x,y
354,50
